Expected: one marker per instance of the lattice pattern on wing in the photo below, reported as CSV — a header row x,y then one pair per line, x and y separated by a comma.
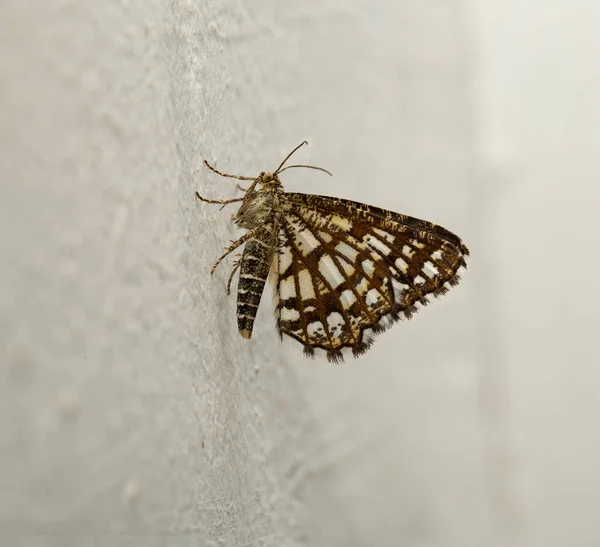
x,y
346,271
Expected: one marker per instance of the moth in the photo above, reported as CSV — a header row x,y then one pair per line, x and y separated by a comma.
x,y
343,271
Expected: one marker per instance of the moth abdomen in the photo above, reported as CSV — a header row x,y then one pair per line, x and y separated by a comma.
x,y
254,270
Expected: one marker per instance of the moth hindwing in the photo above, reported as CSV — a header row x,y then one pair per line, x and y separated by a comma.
x,y
344,271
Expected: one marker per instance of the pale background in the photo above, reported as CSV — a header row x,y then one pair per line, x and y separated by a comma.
x,y
132,413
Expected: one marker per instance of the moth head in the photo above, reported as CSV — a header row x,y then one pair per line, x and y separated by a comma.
x,y
268,178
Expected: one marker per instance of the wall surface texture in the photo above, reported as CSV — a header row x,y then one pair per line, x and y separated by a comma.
x,y
131,411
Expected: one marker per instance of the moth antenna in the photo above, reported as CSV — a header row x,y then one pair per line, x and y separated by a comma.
x,y
308,167
289,156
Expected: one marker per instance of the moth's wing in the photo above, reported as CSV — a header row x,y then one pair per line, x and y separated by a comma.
x,y
374,215
347,271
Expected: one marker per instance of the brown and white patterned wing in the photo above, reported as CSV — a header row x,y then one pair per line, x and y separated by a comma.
x,y
346,271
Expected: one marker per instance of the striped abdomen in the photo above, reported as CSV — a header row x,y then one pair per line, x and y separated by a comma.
x,y
254,270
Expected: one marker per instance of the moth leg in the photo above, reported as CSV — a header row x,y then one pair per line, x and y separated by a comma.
x,y
235,269
238,177
241,188
222,202
235,245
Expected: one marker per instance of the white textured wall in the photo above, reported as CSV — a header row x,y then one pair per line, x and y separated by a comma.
x,y
132,413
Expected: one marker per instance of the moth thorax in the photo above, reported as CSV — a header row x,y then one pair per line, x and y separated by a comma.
x,y
256,209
